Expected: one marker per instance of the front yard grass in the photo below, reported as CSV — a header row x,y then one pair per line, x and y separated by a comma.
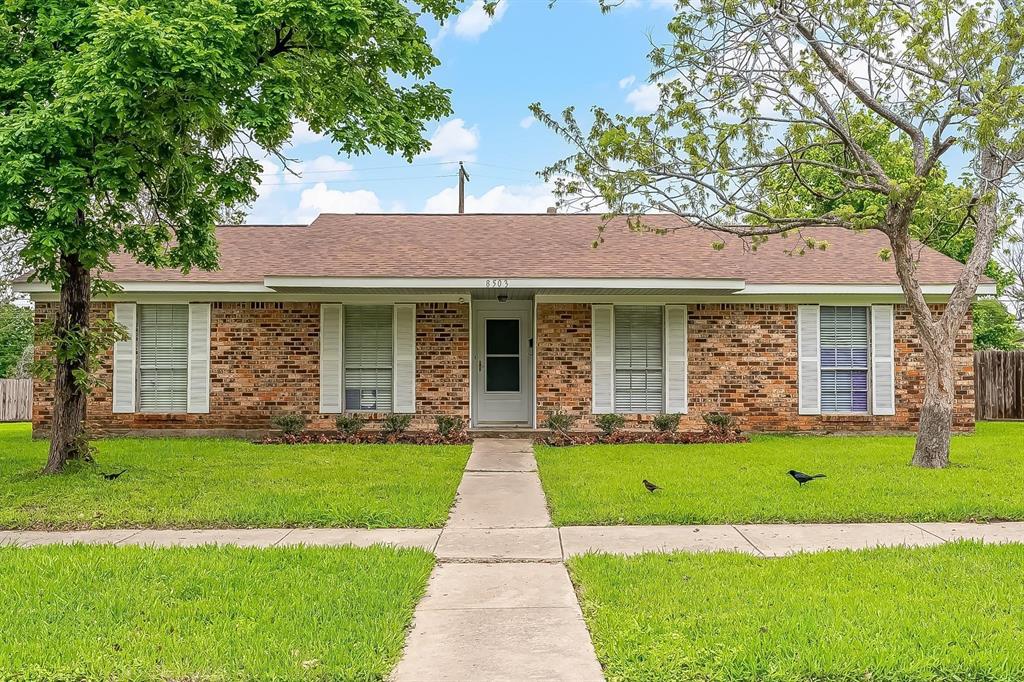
x,y
869,479
209,483
952,612
89,613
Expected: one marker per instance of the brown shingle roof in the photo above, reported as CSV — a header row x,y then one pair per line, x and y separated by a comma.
x,y
533,246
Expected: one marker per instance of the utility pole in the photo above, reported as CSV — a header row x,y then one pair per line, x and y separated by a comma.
x,y
463,177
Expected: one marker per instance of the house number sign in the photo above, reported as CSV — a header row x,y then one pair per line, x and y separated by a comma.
x,y
497,283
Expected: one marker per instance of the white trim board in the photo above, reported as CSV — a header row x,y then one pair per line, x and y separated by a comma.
x,y
457,290
715,284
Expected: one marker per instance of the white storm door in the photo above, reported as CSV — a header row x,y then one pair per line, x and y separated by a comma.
x,y
502,362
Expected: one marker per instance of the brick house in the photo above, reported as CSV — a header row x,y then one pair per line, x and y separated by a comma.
x,y
501,319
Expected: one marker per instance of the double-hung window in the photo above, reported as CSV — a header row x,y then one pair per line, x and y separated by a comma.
x,y
845,355
163,358
369,357
639,358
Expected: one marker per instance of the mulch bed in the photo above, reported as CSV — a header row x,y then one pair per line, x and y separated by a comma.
x,y
561,439
367,438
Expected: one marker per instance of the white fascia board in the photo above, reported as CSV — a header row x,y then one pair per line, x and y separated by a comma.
x,y
498,283
160,287
853,289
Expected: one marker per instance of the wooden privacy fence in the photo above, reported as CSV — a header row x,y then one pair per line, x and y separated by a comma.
x,y
15,400
999,384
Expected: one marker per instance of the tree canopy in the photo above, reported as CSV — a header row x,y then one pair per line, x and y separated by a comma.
x,y
129,125
132,125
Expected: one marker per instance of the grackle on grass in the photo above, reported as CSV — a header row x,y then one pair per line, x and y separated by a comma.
x,y
802,478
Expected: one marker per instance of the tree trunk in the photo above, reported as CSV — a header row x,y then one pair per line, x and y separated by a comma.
x,y
67,437
936,423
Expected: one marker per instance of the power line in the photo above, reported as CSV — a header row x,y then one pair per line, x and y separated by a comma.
x,y
331,181
365,168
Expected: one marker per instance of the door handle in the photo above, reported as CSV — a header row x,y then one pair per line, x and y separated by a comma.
x,y
479,365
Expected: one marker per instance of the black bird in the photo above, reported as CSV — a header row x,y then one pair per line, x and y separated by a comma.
x,y
650,486
802,478
111,477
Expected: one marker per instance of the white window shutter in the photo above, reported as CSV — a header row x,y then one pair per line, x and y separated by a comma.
x,y
675,359
405,358
883,375
199,357
809,363
330,358
602,358
123,391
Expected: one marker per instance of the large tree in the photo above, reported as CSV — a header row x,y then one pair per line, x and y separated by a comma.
x,y
755,93
130,125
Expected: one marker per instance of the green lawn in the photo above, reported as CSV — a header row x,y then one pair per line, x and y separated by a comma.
x,y
131,613
195,483
869,479
953,612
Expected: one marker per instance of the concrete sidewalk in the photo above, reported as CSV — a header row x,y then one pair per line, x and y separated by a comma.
x,y
771,540
519,543
424,538
500,614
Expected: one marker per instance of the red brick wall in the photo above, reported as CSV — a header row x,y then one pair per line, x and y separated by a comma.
x,y
743,361
442,359
562,340
265,360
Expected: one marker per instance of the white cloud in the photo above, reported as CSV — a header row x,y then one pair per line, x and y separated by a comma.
x,y
527,121
319,199
274,177
453,141
475,21
627,81
499,199
301,134
644,99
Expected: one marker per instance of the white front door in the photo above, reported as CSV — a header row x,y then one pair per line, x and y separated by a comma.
x,y
502,363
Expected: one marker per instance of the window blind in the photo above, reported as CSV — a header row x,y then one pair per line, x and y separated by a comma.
x,y
163,358
844,359
369,357
639,359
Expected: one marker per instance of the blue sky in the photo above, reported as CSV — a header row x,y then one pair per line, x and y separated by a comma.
x,y
570,54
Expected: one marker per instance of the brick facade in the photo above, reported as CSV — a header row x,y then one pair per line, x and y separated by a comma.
x,y
265,360
742,360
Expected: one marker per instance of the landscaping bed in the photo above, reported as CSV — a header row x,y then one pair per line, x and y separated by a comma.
x,y
951,612
211,483
868,478
130,613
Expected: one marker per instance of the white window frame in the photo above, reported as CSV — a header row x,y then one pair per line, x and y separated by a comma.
x,y
138,357
867,369
345,355
615,368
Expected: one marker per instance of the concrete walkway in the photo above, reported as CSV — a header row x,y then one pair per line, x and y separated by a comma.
x,y
494,610
546,544
424,538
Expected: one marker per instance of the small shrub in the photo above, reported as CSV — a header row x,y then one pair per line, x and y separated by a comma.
x,y
349,424
448,426
290,423
719,421
610,423
395,424
560,422
665,423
